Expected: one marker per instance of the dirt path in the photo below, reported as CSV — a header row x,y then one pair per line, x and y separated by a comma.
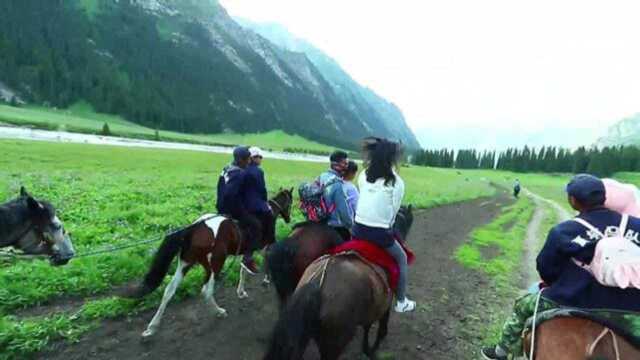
x,y
532,243
534,237
444,291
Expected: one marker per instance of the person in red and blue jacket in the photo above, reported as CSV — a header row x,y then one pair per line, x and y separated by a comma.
x,y
565,283
231,201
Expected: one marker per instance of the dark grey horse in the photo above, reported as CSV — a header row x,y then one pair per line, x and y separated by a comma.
x,y
32,226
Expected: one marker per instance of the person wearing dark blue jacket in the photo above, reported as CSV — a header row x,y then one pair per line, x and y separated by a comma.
x,y
256,196
231,201
567,284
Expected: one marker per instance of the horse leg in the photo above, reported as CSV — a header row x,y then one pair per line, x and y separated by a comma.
x,y
331,346
207,291
267,279
168,294
383,328
242,293
365,341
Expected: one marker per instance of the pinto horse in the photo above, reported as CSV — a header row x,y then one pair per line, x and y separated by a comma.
x,y
198,243
573,338
32,226
288,259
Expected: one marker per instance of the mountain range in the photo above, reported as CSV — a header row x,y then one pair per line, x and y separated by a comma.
x,y
624,132
185,65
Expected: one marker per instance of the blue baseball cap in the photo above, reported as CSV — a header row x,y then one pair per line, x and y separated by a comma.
x,y
241,152
587,189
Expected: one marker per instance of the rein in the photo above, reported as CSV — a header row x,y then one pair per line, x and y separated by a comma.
x,y
273,203
595,343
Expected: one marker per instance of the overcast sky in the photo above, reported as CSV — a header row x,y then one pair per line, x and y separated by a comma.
x,y
488,63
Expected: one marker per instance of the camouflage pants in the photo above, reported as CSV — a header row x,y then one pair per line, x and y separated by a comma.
x,y
524,308
511,339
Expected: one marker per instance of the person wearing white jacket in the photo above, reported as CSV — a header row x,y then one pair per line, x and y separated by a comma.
x,y
381,193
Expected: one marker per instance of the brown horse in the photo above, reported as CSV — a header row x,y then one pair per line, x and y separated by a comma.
x,y
288,259
573,338
207,242
336,295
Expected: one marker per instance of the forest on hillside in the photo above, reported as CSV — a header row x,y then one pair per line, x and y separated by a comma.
x,y
160,72
599,161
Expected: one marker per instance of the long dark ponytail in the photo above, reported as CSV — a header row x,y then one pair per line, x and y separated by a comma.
x,y
381,156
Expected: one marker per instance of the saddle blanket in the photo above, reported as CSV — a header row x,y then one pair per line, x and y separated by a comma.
x,y
623,323
376,255
212,221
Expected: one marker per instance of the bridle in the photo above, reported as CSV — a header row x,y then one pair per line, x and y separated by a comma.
x,y
39,232
273,203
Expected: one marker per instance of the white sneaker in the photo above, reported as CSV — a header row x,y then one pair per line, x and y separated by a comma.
x,y
405,306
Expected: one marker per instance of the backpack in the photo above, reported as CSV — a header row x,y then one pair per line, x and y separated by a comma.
x,y
312,202
616,260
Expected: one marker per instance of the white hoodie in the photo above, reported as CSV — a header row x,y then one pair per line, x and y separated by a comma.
x,y
379,203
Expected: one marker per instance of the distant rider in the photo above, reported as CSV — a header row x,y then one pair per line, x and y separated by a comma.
x,y
381,193
569,284
256,196
516,189
231,201
334,194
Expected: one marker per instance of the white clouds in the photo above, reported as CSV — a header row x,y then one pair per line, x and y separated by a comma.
x,y
490,63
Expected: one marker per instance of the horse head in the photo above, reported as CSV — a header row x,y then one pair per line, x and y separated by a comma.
x,y
282,203
404,220
46,234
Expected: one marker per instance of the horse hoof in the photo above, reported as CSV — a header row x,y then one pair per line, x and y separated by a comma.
x,y
242,295
148,333
222,313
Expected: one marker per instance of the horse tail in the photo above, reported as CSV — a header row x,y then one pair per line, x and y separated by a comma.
x,y
170,247
297,325
280,263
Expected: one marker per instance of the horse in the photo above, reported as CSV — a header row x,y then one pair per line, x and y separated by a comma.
x,y
336,295
575,338
288,259
32,226
199,244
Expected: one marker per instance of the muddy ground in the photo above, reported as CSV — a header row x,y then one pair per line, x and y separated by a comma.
x,y
441,328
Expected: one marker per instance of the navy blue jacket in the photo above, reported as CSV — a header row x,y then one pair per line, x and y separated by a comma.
x,y
255,195
573,286
231,187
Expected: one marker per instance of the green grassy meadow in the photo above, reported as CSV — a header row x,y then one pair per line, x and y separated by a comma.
x,y
113,195
110,195
82,118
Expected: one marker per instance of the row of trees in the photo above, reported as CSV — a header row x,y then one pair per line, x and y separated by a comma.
x,y
599,161
463,159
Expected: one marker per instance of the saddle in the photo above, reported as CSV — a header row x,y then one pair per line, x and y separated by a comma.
x,y
319,267
605,318
373,254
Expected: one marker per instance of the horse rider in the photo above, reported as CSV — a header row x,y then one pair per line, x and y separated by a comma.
x,y
335,196
231,201
349,188
381,193
256,196
569,285
516,189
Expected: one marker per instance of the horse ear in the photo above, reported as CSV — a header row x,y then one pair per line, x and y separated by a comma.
x,y
291,190
23,191
34,204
